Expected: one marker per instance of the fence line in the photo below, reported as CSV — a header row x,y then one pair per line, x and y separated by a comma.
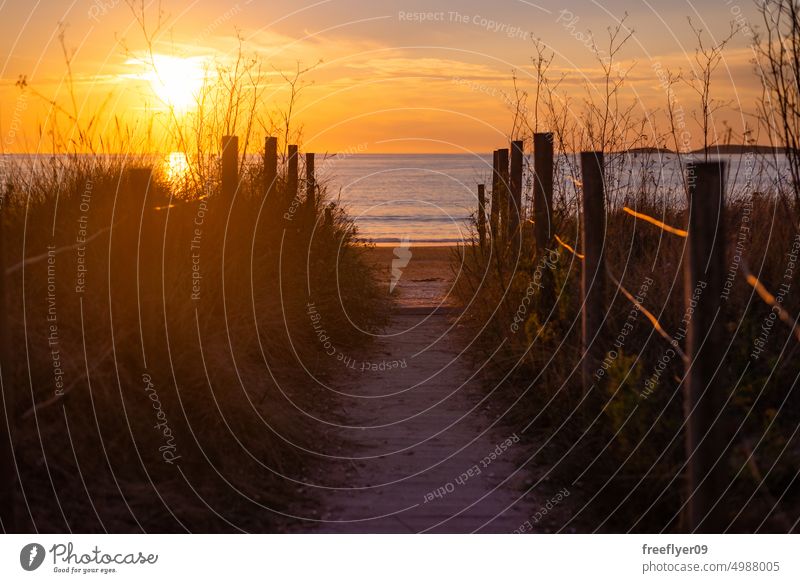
x,y
543,211
593,221
481,215
648,314
770,300
513,230
704,396
270,164
230,179
653,221
568,247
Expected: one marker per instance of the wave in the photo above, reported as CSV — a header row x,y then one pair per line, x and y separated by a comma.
x,y
408,219
412,240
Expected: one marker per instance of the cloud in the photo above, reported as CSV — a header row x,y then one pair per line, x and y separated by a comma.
x,y
427,67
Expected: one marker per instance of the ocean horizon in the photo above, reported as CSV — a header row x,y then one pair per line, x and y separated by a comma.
x,y
430,199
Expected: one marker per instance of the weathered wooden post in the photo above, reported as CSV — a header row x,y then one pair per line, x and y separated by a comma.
x,y
481,218
593,275
270,165
135,243
309,208
311,184
230,166
291,178
502,167
494,220
704,397
543,211
7,468
514,233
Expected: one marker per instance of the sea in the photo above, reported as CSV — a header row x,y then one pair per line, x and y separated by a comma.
x,y
431,199
424,199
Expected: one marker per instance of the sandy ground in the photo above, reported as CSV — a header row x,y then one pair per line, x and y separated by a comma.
x,y
426,279
425,449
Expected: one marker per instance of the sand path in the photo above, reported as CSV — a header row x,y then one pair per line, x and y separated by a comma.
x,y
424,454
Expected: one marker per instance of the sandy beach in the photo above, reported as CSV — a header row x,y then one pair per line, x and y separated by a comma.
x,y
424,281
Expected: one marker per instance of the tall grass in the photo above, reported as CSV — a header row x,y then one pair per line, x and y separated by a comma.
x,y
165,373
622,443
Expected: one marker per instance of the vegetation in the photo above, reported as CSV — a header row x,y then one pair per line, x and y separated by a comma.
x,y
621,438
162,355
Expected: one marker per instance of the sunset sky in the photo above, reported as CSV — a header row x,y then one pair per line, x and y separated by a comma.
x,y
388,81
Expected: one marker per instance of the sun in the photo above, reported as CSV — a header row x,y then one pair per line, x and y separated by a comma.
x,y
175,81
176,167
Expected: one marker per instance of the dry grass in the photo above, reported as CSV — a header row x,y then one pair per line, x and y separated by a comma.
x,y
624,443
226,367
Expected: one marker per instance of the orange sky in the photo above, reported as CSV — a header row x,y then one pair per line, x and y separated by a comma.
x,y
394,76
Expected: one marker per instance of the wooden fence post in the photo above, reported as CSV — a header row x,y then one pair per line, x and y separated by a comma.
x,y
133,246
311,184
8,469
230,166
515,198
270,165
291,179
543,211
481,218
593,274
504,193
494,220
311,193
704,397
